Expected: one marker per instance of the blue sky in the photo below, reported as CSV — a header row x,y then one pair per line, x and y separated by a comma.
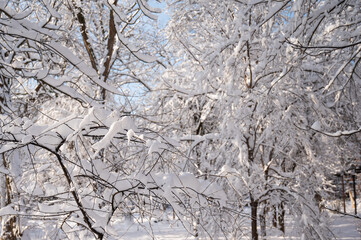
x,y
162,17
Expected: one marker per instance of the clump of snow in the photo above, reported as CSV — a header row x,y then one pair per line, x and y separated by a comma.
x,y
8,210
130,134
155,146
120,126
316,126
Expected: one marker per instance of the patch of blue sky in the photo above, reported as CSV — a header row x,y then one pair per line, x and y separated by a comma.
x,y
163,17
134,93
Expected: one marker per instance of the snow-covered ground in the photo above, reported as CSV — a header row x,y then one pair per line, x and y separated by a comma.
x,y
343,227
346,227
161,231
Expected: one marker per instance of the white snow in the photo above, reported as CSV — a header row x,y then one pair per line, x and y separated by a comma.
x,y
8,210
51,10
316,126
155,146
130,134
343,228
126,123
4,170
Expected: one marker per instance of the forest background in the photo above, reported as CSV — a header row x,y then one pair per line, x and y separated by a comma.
x,y
231,115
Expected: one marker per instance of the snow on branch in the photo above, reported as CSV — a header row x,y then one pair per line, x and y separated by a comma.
x,y
148,10
338,133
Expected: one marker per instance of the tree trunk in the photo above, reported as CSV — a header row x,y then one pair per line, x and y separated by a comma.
x,y
354,192
254,206
281,218
9,228
2,189
274,219
262,223
343,194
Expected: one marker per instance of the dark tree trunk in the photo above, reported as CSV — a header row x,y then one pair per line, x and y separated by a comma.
x,y
262,222
9,228
254,207
279,217
274,220
343,194
354,192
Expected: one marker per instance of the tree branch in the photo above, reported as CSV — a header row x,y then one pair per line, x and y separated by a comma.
x,y
110,48
83,30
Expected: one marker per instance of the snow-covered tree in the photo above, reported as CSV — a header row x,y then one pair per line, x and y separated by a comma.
x,y
76,155
254,104
257,87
